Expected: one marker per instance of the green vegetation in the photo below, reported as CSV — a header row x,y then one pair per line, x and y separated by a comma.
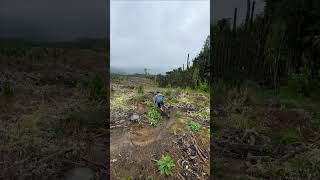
x,y
149,103
195,127
98,91
178,114
289,137
165,165
200,104
118,77
194,76
140,90
168,92
303,84
174,100
203,87
153,116
303,166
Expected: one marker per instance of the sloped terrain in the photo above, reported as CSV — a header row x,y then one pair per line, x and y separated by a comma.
x,y
136,145
265,135
51,119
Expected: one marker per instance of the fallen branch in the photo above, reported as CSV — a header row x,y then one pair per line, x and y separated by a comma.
x,y
179,174
118,126
201,154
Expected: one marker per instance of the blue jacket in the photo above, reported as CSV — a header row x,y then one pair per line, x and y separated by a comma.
x,y
159,98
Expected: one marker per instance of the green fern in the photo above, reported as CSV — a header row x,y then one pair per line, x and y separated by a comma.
x,y
165,165
153,116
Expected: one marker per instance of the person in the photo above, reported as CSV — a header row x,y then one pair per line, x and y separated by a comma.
x,y
158,99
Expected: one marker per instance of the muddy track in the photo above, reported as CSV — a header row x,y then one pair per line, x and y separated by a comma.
x,y
140,137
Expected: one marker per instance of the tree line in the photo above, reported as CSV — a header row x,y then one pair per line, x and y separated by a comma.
x,y
190,74
280,46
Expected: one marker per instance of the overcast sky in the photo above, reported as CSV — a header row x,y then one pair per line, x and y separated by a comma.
x,y
54,20
157,34
225,9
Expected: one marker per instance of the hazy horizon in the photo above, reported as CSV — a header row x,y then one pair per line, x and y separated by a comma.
x,y
138,69
54,20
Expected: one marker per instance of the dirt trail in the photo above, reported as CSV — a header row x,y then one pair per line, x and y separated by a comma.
x,y
139,137
136,146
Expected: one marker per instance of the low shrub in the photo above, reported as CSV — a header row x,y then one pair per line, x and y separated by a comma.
x,y
149,103
203,87
289,137
168,92
153,116
165,165
98,90
302,84
195,127
140,90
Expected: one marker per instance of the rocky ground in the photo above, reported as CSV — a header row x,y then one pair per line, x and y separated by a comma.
x,y
52,119
136,145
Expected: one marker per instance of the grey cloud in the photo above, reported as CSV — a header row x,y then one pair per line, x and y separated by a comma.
x,y
157,35
54,20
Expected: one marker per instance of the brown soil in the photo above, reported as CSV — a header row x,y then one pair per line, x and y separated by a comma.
x,y
135,147
45,93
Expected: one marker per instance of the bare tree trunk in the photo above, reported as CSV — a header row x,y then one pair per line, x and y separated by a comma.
x,y
248,14
252,13
188,62
235,20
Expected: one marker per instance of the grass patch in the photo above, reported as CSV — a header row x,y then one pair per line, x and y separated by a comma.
x,y
242,122
168,92
200,105
174,101
195,127
178,114
153,116
140,90
303,166
165,165
98,90
203,87
288,137
149,103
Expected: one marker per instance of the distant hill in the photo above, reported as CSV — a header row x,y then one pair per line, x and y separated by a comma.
x,y
128,70
136,70
77,43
